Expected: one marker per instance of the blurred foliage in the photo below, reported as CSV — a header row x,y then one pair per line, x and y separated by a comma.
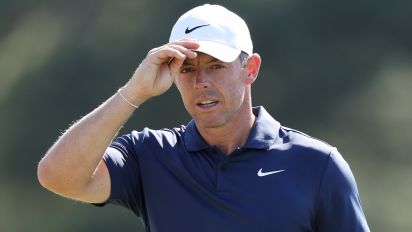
x,y
338,70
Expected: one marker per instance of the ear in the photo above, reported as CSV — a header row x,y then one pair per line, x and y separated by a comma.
x,y
252,68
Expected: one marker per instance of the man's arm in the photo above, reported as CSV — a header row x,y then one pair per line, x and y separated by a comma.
x,y
340,208
73,166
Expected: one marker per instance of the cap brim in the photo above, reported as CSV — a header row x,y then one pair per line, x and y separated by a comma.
x,y
219,51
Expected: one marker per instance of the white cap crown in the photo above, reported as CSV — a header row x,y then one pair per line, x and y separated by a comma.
x,y
220,32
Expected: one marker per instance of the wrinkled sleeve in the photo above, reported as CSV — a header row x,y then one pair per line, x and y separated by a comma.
x,y
122,162
339,206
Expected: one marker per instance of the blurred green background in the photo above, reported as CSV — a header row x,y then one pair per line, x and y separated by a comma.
x,y
338,70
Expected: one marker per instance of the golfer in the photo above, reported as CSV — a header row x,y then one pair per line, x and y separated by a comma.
x,y
233,167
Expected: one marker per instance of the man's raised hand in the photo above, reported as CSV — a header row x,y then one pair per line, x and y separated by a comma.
x,y
155,74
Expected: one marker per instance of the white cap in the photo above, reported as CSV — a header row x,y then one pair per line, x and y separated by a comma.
x,y
220,32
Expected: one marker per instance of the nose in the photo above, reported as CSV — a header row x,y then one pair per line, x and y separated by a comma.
x,y
202,79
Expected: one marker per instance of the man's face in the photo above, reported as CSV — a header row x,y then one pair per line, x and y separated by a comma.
x,y
213,91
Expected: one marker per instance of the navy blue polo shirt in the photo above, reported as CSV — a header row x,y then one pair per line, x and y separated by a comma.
x,y
280,180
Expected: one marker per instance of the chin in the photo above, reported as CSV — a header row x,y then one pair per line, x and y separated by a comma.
x,y
208,122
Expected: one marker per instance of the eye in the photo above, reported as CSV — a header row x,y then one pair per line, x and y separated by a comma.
x,y
186,69
217,66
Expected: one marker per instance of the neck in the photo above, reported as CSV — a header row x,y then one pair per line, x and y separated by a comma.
x,y
233,134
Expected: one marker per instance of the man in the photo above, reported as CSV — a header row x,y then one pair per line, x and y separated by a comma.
x,y
232,168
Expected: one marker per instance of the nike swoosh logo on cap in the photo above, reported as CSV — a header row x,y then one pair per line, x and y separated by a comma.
x,y
187,31
260,173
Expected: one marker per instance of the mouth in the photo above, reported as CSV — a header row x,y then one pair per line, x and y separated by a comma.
x,y
207,104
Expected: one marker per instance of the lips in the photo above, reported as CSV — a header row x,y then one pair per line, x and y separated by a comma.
x,y
207,100
205,104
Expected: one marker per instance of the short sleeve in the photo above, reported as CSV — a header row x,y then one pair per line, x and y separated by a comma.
x,y
339,206
123,164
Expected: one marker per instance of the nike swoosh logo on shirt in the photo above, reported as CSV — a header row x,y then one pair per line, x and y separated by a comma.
x,y
260,173
187,31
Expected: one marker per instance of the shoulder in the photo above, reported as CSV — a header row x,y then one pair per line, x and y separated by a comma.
x,y
145,142
334,167
303,142
150,137
169,135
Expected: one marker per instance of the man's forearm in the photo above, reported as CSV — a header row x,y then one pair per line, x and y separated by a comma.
x,y
71,166
71,161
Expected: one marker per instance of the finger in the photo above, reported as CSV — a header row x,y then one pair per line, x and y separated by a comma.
x,y
180,45
165,55
187,43
168,53
185,46
189,53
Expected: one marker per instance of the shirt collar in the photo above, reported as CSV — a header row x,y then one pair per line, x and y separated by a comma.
x,y
262,135
193,140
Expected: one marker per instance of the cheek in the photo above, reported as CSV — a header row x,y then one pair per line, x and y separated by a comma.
x,y
234,92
